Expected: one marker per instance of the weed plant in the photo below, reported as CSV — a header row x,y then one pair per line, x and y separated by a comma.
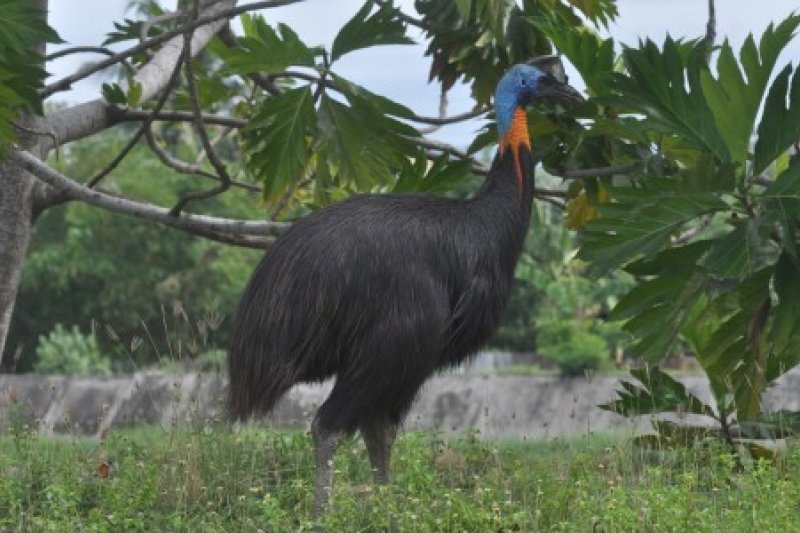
x,y
222,479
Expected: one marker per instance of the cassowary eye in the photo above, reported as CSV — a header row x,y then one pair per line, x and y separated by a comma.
x,y
523,82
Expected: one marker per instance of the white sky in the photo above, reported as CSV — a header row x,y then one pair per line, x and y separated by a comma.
x,y
401,72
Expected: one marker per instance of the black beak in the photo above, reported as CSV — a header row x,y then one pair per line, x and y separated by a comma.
x,y
550,88
554,83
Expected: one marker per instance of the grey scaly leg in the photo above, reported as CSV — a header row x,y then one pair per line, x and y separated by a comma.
x,y
379,439
325,442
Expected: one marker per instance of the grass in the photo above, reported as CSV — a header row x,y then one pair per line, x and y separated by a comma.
x,y
215,479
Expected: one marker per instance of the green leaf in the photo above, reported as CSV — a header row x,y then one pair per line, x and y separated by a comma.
x,y
22,26
385,105
781,203
665,86
275,139
640,222
740,252
598,11
114,94
263,49
354,154
129,30
785,329
364,145
442,177
779,126
365,30
134,92
659,393
591,55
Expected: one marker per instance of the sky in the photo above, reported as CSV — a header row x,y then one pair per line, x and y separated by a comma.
x,y
401,72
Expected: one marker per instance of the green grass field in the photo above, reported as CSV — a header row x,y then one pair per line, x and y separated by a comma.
x,y
215,479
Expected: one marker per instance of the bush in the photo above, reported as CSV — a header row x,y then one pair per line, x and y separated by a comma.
x,y
573,347
65,351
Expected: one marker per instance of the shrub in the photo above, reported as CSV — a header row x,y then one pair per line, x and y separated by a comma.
x,y
65,351
573,347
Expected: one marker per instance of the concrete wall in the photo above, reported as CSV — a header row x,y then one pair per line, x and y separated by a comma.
x,y
497,407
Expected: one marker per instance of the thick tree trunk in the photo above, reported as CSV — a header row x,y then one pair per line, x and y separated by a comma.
x,y
16,223
18,188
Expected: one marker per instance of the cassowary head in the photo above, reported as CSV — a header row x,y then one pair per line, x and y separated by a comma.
x,y
527,83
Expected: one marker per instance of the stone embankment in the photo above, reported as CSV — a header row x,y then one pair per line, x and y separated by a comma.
x,y
494,406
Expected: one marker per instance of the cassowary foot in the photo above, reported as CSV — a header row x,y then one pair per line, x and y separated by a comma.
x,y
379,439
325,443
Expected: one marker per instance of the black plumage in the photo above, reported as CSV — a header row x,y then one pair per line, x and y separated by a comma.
x,y
381,291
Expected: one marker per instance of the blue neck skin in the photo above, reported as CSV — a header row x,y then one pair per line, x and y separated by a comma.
x,y
505,102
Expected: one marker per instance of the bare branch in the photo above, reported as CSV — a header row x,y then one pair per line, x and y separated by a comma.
x,y
152,21
550,200
215,13
245,241
185,167
121,114
436,121
600,172
142,129
196,224
214,142
442,112
478,166
86,119
50,134
79,50
216,162
711,25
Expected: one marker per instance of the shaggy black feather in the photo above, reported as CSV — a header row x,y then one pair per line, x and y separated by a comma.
x,y
379,291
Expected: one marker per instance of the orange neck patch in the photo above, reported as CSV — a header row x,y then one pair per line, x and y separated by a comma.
x,y
517,136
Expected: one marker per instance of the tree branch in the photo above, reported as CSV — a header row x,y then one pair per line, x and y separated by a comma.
x,y
436,121
215,13
216,162
145,125
191,223
184,167
711,25
79,50
600,172
121,114
86,119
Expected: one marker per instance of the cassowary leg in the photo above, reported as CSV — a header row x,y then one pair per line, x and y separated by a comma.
x,y
325,442
379,439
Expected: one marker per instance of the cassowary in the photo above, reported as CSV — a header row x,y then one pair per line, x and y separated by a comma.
x,y
381,291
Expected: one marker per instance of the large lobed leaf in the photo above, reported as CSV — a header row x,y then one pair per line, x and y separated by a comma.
x,y
264,49
640,222
658,393
365,30
22,27
276,143
780,125
664,84
591,55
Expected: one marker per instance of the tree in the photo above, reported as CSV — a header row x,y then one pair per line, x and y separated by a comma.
x,y
303,135
148,295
